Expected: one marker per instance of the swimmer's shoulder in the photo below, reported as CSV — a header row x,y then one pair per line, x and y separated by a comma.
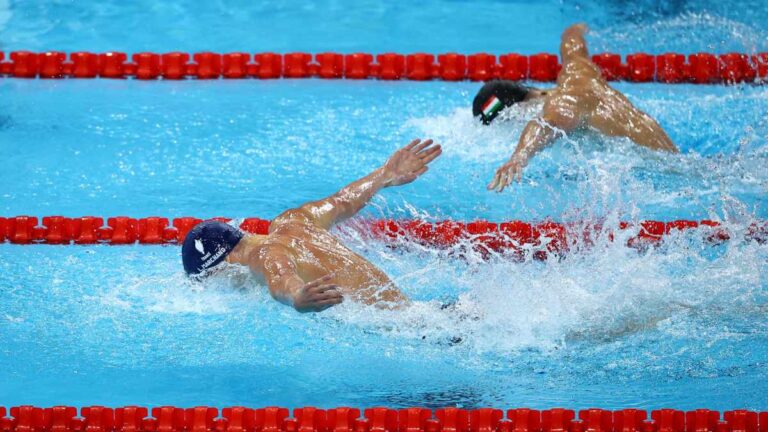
x,y
578,74
274,246
291,217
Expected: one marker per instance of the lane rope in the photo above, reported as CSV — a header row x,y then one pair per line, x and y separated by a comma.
x,y
505,237
698,68
310,419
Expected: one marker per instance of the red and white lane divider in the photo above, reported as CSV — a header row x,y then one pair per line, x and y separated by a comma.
x,y
381,419
512,236
699,68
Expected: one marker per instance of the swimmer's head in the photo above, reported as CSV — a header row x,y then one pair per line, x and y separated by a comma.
x,y
496,95
207,245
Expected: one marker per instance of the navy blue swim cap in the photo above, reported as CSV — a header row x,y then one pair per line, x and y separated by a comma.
x,y
208,244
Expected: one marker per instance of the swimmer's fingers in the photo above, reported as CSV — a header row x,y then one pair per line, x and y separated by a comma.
x,y
499,181
330,297
422,146
580,28
412,144
319,281
431,154
331,301
325,304
495,181
321,289
503,181
427,150
333,295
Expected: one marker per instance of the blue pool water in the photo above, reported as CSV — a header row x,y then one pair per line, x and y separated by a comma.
x,y
682,325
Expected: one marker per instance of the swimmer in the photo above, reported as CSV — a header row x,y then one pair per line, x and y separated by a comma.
x,y
581,99
302,263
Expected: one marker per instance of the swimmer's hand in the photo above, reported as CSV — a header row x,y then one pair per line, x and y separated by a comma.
x,y
410,162
317,295
577,29
511,170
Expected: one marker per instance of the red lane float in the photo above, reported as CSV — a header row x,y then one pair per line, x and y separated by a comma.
x,y
513,67
207,65
235,65
266,66
641,67
513,237
330,65
147,65
132,419
174,65
698,68
482,67
84,65
703,68
452,67
358,66
761,65
24,64
418,67
671,68
610,66
380,419
297,65
543,67
736,68
51,64
391,66
112,65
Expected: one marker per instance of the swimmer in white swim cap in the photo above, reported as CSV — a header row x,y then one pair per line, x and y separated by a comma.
x,y
582,98
302,263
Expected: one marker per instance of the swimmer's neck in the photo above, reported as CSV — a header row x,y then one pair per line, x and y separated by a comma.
x,y
242,252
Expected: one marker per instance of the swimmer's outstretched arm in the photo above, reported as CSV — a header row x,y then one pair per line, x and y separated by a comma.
x,y
538,134
403,167
287,287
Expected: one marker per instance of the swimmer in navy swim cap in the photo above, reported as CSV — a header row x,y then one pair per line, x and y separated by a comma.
x,y
302,263
581,99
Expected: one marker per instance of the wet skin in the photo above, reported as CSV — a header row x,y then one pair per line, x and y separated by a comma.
x,y
581,99
305,266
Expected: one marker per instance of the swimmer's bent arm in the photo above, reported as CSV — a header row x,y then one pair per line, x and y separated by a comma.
x,y
287,287
403,167
572,43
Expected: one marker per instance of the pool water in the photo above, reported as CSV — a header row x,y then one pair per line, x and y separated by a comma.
x,y
681,325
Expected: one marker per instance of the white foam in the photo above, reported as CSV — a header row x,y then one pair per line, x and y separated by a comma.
x,y
600,294
688,29
462,135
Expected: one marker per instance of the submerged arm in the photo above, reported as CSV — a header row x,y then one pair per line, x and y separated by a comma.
x,y
403,167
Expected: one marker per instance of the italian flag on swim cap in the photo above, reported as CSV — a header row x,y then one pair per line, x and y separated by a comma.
x,y
492,105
